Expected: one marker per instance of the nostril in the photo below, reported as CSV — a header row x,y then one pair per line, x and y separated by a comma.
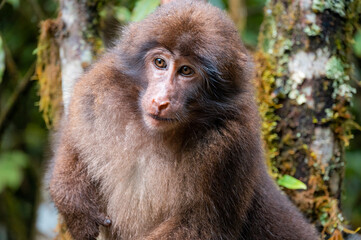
x,y
163,105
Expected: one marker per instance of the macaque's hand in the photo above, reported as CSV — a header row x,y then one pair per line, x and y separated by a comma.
x,y
83,227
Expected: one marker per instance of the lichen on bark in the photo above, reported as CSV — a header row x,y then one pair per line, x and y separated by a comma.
x,y
67,45
79,41
303,85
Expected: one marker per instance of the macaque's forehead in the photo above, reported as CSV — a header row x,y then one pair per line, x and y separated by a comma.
x,y
193,28
190,27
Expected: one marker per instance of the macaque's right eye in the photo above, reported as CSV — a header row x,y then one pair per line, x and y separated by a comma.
x,y
160,63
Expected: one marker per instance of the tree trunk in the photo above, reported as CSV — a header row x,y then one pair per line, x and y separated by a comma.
x,y
303,85
71,41
78,43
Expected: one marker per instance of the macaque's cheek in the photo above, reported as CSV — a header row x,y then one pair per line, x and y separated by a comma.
x,y
145,102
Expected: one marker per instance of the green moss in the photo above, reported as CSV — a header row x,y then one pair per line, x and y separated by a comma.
x,y
272,64
285,45
265,85
271,32
318,5
336,70
337,6
269,35
48,73
312,30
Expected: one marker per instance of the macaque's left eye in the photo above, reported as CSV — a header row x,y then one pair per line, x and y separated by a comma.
x,y
186,71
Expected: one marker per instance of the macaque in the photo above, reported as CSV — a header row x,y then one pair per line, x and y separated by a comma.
x,y
162,139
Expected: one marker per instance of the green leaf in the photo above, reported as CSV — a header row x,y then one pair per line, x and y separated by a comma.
x,y
15,3
357,44
122,14
35,51
2,59
290,182
143,8
217,3
11,169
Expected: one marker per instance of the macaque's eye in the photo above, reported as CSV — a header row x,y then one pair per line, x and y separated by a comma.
x,y
186,71
160,63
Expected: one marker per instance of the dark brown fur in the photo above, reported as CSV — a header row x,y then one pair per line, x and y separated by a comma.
x,y
203,178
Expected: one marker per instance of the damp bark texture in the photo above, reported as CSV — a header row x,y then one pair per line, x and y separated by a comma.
x,y
78,42
303,84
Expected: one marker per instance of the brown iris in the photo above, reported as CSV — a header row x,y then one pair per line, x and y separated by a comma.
x,y
186,71
160,63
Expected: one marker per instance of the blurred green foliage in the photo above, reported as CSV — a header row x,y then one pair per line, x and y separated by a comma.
x,y
15,3
254,20
122,14
143,8
12,165
2,59
218,3
23,135
352,188
357,44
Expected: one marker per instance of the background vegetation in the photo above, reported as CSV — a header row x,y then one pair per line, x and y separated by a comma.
x,y
24,148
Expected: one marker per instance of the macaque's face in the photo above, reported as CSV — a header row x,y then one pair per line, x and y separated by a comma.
x,y
173,81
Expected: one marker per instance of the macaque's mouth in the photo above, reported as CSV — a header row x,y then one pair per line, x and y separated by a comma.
x,y
161,118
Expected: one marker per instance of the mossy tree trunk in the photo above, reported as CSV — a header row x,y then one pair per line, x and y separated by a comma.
x,y
303,85
67,46
78,41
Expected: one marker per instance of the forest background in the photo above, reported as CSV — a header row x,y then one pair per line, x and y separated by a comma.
x,y
24,129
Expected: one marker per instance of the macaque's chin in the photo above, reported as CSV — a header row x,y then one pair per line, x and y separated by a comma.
x,y
157,123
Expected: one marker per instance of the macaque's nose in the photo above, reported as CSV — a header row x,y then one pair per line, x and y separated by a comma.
x,y
163,105
160,105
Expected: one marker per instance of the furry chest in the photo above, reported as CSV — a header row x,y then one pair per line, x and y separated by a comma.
x,y
141,191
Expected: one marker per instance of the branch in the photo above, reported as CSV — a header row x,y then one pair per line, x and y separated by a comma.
x,y
11,66
37,9
11,103
2,4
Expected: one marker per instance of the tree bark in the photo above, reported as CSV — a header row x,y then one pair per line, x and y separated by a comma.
x,y
78,42
71,41
303,85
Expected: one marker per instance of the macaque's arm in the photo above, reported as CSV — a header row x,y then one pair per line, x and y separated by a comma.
x,y
75,195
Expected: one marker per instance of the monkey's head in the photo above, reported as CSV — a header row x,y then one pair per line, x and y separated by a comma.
x,y
189,64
